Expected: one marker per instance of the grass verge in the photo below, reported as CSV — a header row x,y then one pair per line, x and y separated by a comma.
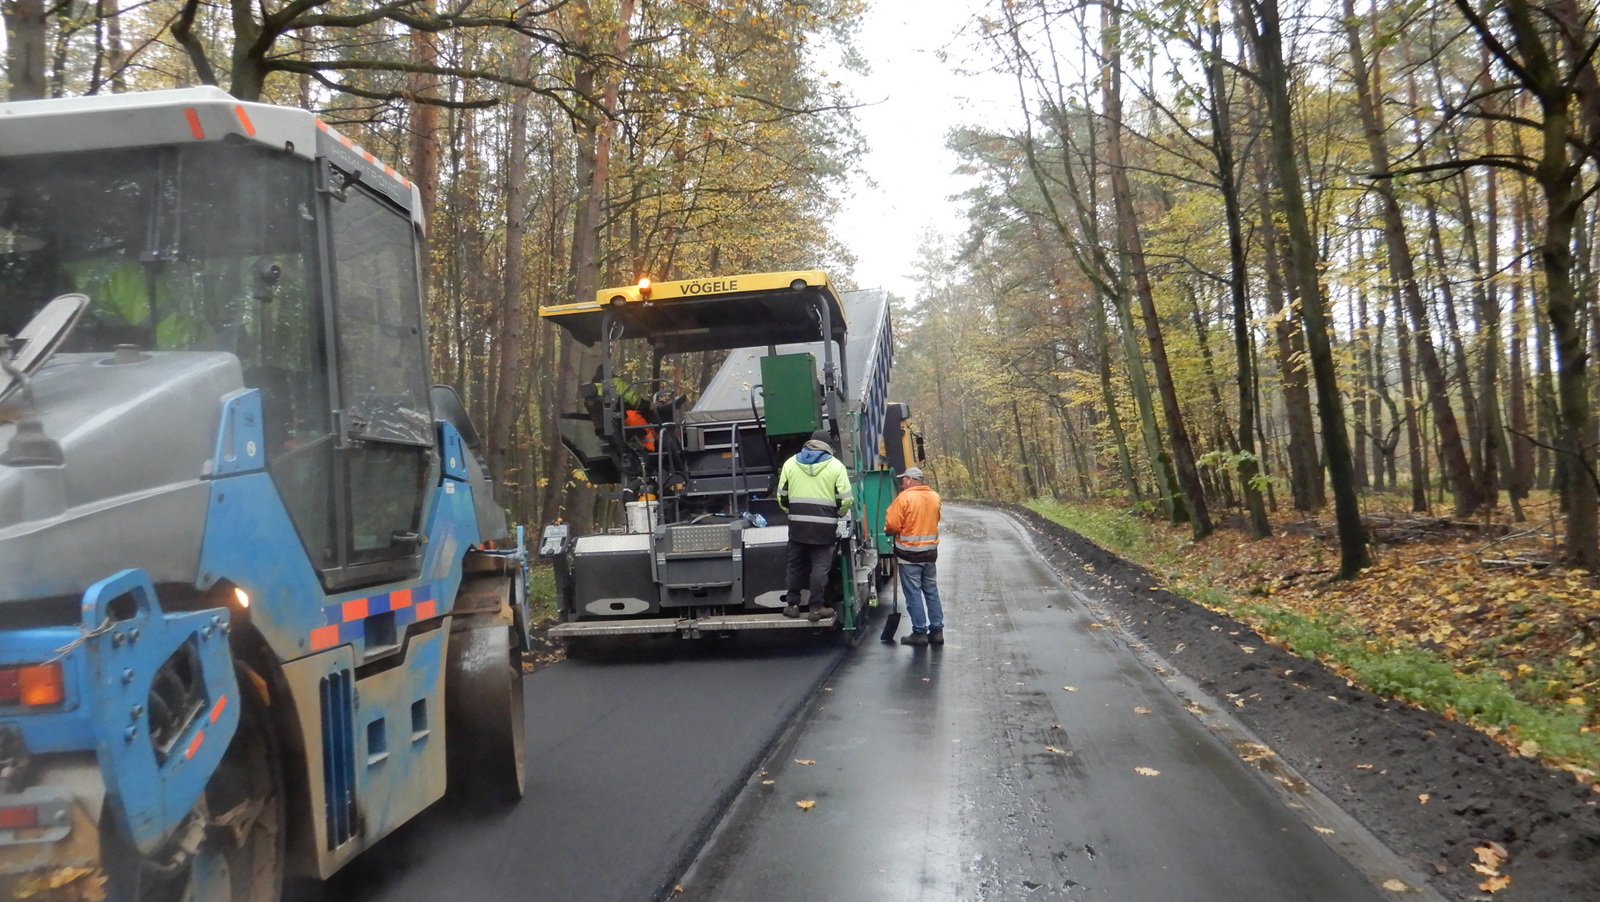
x,y
1527,682
542,592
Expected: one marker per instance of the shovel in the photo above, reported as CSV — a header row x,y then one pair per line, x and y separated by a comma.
x,y
891,623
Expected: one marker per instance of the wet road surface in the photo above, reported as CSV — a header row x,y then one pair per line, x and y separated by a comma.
x,y
1032,758
631,760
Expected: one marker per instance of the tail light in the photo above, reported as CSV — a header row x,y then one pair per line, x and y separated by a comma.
x,y
20,817
32,685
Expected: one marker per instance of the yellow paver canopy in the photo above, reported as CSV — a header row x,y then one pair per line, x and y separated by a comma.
x,y
707,314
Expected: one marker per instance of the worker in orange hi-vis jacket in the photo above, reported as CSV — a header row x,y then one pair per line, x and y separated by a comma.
x,y
913,520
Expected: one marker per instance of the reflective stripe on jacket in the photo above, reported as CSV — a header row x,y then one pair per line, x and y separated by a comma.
x,y
913,520
814,494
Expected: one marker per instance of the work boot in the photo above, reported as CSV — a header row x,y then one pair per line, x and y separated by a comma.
x,y
936,637
822,613
792,611
917,639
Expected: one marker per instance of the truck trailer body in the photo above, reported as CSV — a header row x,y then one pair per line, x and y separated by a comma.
x,y
701,549
258,605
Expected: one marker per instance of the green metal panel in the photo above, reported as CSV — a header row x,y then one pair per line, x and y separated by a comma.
x,y
875,491
790,394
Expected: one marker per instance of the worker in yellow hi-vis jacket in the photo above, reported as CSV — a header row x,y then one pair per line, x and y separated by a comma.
x,y
814,488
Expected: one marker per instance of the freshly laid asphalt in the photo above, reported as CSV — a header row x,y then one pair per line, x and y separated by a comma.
x,y
1031,758
631,759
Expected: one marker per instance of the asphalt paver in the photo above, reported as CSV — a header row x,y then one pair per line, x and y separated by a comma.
x,y
1033,757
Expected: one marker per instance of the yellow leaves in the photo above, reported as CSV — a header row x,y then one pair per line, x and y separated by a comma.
x,y
1141,710
63,885
1252,751
1147,771
805,804
1423,797
1054,750
1495,884
1396,886
1323,830
804,761
1491,856
1070,688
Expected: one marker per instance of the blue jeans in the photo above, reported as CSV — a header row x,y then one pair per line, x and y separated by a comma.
x,y
920,583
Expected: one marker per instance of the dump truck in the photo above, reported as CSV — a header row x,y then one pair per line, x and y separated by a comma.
x,y
699,541
257,604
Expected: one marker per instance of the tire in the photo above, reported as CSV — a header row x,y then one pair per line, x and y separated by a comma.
x,y
484,719
240,822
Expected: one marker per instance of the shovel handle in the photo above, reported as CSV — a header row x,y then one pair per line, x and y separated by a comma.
x,y
894,580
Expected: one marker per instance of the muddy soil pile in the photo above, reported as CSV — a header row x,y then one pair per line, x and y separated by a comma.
x,y
1376,757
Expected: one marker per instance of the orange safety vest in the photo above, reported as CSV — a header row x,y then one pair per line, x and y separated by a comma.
x,y
913,520
635,418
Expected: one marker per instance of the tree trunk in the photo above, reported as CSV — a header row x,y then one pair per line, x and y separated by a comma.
x,y
116,53
1183,461
1569,106
26,47
1238,290
1416,450
1305,462
1353,554
509,381
1404,275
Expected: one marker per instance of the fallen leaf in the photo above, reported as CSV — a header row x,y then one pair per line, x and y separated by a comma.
x,y
1051,748
1055,726
1423,798
1395,886
805,761
806,804
1495,884
1363,767
1492,855
926,679
768,782
1528,749
1147,771
1486,870
1141,710
1254,751
1323,830
1248,649
1070,688
1096,626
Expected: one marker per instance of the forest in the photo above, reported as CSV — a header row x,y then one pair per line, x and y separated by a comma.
x,y
1250,266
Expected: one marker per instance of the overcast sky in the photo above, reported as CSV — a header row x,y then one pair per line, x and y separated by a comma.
x,y
916,98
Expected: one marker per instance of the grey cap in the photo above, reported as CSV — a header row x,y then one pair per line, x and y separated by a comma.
x,y
821,435
912,473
